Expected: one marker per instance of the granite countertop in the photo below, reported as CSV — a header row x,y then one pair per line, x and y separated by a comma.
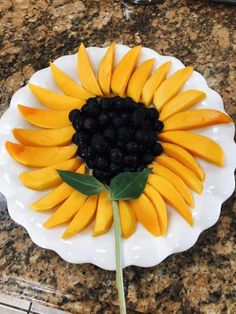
x,y
200,33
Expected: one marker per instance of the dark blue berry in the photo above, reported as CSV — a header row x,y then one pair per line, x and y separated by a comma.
x,y
90,163
74,114
78,124
116,156
157,149
103,119
147,159
152,114
101,162
99,144
117,122
158,126
114,168
90,124
130,160
109,134
141,137
132,147
123,134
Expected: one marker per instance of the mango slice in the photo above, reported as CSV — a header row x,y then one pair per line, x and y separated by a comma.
x,y
53,100
189,120
46,178
105,70
154,82
127,219
181,102
86,73
171,195
83,217
67,210
48,119
159,205
68,85
31,156
183,172
196,144
175,180
54,137
184,157
123,71
56,196
146,214
104,215
138,79
170,87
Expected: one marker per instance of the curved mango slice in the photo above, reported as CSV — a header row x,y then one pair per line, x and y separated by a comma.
x,y
68,85
86,73
53,100
184,173
181,102
105,70
175,180
54,137
159,205
104,215
127,219
196,144
154,82
47,119
184,157
170,87
189,120
83,217
138,79
46,178
56,196
171,195
31,156
67,210
146,214
123,71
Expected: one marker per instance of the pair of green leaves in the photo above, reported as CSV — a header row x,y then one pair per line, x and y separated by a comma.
x,y
126,185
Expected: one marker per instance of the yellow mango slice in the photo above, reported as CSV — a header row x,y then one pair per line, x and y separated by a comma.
x,y
171,195
159,205
68,85
127,219
54,137
170,87
146,214
46,178
67,210
189,120
196,144
55,101
48,119
154,82
31,156
175,180
188,176
123,70
56,196
105,70
86,73
83,217
104,215
181,102
138,79
184,157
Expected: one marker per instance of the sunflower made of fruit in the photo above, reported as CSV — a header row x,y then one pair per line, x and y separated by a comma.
x,y
127,118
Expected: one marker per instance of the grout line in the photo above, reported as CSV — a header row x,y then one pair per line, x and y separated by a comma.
x,y
13,307
28,312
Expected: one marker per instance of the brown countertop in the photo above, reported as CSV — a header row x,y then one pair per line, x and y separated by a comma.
x,y
199,33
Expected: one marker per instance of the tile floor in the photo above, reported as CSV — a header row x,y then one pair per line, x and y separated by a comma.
x,y
13,305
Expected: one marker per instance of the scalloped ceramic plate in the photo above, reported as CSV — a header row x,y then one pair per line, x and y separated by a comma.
x,y
142,249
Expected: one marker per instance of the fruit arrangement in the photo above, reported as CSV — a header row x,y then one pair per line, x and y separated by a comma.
x,y
124,119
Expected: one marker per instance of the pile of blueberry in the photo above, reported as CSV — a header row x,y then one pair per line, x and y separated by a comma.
x,y
116,135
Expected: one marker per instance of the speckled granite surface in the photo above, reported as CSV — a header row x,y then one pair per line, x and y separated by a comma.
x,y
200,33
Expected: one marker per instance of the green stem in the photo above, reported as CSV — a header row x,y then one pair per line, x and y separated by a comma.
x,y
119,273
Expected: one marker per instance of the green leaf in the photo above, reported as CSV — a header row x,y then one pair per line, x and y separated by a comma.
x,y
129,185
83,183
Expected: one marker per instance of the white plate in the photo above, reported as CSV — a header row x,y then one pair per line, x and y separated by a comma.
x,y
142,249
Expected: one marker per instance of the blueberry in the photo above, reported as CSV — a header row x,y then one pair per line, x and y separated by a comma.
x,y
114,168
141,137
78,124
120,144
81,139
132,147
125,116
116,156
81,152
90,124
123,134
148,158
137,119
92,110
117,122
152,114
90,163
75,113
151,138
101,162
109,134
111,115
158,126
103,119
130,160
140,167
141,105
157,149
99,144
100,174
